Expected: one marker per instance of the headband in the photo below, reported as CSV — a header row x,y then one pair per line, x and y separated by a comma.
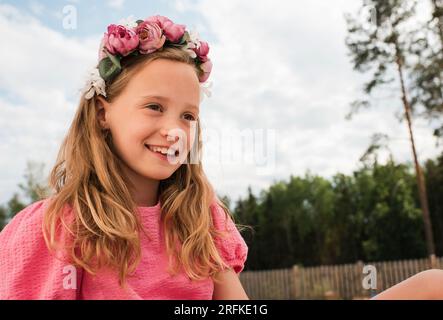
x,y
132,38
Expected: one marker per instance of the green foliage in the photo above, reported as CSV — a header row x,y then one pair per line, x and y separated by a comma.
x,y
426,76
34,189
376,45
109,67
3,216
370,215
434,185
7,212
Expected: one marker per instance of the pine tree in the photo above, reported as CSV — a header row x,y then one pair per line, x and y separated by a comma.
x,y
426,75
380,45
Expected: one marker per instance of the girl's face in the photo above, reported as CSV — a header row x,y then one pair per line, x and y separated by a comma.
x,y
161,101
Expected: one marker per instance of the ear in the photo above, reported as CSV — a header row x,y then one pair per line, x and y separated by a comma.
x,y
102,107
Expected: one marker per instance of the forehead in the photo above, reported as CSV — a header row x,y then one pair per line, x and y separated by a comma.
x,y
173,80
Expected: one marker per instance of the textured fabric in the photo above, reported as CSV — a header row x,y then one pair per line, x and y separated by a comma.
x,y
29,271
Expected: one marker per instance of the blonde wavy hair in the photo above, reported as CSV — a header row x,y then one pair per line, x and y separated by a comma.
x,y
105,230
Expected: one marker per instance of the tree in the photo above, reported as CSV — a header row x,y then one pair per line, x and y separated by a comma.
x,y
393,228
3,217
426,50
372,214
437,16
34,187
13,206
382,47
434,180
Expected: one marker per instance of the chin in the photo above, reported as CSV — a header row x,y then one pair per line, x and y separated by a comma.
x,y
158,174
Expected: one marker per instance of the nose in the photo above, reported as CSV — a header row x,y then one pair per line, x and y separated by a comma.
x,y
171,130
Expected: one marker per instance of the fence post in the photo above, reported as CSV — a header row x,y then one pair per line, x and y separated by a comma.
x,y
360,290
433,261
295,281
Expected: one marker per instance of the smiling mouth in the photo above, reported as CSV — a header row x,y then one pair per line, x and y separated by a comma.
x,y
162,151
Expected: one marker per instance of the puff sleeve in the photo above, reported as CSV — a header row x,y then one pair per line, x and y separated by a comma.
x,y
232,247
28,270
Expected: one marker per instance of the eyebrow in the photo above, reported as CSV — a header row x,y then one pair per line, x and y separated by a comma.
x,y
166,99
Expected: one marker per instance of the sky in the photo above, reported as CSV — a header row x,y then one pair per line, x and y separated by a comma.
x,y
282,81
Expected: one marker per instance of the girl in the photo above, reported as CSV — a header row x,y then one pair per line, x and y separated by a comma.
x,y
133,215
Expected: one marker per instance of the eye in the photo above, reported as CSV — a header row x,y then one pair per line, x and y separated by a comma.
x,y
189,117
154,107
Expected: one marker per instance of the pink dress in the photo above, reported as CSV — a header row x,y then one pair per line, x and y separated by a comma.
x,y
29,271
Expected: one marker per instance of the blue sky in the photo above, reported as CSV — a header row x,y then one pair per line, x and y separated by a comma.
x,y
280,67
94,16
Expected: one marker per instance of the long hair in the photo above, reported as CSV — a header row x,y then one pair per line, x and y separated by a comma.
x,y
104,230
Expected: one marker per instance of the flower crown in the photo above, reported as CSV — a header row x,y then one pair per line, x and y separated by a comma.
x,y
132,38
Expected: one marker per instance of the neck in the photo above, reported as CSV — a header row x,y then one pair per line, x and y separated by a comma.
x,y
145,190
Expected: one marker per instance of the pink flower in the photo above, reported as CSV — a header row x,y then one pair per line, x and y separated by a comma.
x,y
172,31
207,68
202,51
151,37
120,39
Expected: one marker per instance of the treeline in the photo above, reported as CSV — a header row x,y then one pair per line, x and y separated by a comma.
x,y
372,215
33,189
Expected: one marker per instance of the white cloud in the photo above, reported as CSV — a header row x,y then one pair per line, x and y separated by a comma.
x,y
283,65
41,76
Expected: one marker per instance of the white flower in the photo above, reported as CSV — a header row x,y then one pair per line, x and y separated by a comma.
x,y
193,43
195,38
205,90
188,48
129,22
94,84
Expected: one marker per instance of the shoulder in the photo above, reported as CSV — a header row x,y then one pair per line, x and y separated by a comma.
x,y
221,219
230,244
25,230
29,270
28,220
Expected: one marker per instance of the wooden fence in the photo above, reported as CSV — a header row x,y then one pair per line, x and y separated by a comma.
x,y
329,282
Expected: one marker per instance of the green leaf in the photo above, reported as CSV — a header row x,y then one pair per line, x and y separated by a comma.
x,y
185,38
134,53
109,67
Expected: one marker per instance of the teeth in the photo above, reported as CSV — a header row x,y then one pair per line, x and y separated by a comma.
x,y
162,150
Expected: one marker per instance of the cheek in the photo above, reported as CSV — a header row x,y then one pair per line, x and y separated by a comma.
x,y
128,134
